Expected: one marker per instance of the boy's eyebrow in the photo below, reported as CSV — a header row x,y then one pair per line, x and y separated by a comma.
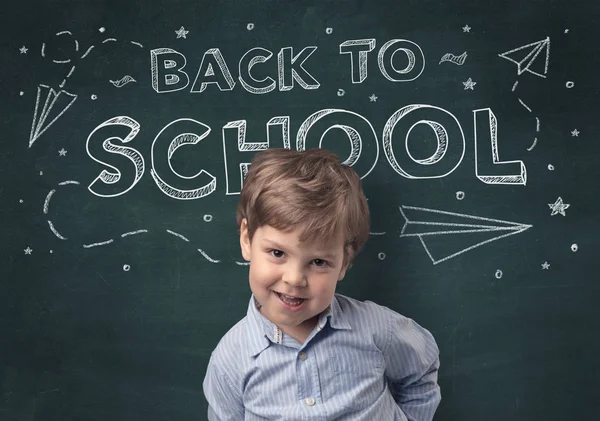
x,y
275,245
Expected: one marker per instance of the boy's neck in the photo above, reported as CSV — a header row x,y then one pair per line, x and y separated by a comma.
x,y
302,331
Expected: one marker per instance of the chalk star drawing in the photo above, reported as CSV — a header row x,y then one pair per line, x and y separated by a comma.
x,y
469,84
575,133
546,266
62,152
23,50
435,224
558,207
466,28
28,250
373,98
181,33
525,64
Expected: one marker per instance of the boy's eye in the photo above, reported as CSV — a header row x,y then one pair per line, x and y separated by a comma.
x,y
277,253
320,262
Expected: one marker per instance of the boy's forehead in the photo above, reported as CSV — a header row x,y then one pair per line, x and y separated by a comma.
x,y
291,238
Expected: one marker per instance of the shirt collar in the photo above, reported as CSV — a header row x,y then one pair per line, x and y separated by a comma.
x,y
262,332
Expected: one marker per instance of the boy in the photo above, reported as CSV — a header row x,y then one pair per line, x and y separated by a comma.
x,y
303,352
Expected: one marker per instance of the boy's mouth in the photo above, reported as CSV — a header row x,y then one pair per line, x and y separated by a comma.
x,y
290,300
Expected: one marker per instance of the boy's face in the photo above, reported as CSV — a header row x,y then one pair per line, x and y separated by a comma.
x,y
293,282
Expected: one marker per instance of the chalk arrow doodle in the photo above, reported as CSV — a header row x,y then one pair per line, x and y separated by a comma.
x,y
55,105
526,57
445,230
458,60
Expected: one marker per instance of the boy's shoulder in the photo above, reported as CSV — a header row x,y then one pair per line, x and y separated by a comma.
x,y
353,308
235,339
381,321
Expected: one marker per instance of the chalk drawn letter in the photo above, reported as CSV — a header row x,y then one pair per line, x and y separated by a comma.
x,y
291,68
448,134
167,70
358,50
364,147
236,150
175,135
414,55
126,163
251,84
486,146
221,75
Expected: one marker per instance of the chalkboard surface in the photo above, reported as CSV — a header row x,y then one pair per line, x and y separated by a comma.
x,y
126,130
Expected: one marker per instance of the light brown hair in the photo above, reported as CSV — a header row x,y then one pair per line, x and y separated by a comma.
x,y
310,191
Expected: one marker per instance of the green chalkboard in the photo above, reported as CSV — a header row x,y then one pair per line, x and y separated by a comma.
x,y
126,127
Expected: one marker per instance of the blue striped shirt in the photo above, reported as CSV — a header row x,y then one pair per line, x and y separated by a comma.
x,y
362,361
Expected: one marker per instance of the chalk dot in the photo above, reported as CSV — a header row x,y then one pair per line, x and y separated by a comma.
x,y
41,172
20,200
250,26
94,97
574,247
551,167
208,218
329,31
21,93
570,84
126,268
498,274
341,92
566,31
51,251
460,195
381,256
102,29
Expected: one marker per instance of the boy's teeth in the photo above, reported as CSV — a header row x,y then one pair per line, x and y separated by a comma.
x,y
291,300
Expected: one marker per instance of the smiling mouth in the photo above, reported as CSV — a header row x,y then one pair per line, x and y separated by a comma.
x,y
290,300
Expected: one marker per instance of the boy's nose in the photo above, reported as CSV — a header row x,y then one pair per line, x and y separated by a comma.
x,y
294,277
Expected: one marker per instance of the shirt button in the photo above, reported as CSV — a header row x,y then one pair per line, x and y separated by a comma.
x,y
303,356
310,401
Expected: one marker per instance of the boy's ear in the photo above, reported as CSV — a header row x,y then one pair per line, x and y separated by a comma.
x,y
245,240
347,265
342,273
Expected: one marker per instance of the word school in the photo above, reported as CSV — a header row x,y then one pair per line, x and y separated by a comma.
x,y
124,165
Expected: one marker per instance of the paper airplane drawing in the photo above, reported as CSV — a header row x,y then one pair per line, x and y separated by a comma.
x,y
446,231
529,58
55,105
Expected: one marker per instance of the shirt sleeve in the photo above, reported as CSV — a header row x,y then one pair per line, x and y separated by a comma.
x,y
412,362
225,403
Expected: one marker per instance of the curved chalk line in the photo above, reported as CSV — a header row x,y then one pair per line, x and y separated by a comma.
x,y
46,208
126,234
102,243
532,146
178,235
207,257
54,231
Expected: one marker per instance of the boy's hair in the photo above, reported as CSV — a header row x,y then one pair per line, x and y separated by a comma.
x,y
310,191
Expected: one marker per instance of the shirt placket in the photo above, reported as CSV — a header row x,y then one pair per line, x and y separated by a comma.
x,y
309,387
